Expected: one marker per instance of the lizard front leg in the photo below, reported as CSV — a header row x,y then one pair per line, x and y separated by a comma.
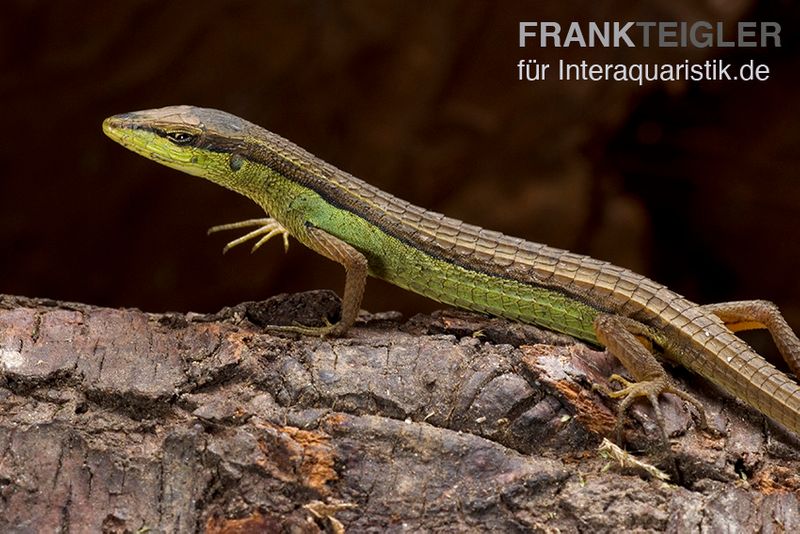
x,y
331,247
355,266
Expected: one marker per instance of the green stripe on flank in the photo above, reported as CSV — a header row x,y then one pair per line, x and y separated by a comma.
x,y
408,267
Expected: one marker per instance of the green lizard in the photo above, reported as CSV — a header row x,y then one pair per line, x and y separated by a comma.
x,y
369,231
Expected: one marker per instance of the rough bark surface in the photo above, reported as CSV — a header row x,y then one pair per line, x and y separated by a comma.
x,y
122,421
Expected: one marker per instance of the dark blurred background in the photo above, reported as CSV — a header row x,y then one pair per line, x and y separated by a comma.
x,y
693,184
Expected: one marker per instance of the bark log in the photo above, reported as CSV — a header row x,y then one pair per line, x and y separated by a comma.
x,y
119,420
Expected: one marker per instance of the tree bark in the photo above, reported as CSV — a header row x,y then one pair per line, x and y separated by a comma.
x,y
119,420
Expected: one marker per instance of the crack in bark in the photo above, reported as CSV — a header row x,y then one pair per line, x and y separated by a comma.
x,y
59,464
65,511
37,327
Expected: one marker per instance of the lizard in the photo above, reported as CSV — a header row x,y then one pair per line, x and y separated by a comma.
x,y
371,232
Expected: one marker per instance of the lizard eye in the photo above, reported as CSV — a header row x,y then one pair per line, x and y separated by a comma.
x,y
180,138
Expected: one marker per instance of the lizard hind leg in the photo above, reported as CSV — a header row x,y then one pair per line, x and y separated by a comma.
x,y
761,314
623,337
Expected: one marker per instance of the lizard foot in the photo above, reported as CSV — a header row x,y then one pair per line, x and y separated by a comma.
x,y
329,330
650,389
267,229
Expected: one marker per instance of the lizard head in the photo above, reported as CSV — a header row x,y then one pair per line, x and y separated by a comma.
x,y
198,141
